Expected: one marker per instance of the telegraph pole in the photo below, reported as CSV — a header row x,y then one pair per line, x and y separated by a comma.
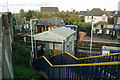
x,y
32,54
91,36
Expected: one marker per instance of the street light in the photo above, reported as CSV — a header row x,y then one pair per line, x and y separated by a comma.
x,y
32,54
91,36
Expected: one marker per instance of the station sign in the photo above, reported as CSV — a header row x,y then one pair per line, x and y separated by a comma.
x,y
107,49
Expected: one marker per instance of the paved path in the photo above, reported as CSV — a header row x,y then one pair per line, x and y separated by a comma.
x,y
98,39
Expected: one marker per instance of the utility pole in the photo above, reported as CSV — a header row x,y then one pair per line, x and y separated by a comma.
x,y
32,54
91,36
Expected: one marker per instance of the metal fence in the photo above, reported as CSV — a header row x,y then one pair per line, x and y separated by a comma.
x,y
67,58
103,70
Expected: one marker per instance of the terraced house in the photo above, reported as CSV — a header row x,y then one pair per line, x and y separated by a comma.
x,y
100,17
104,20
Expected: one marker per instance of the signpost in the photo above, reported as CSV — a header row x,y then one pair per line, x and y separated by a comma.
x,y
107,49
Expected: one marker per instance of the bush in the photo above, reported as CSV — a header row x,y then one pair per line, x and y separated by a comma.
x,y
20,55
85,27
21,68
29,73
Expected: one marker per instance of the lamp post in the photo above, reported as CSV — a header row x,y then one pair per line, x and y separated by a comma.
x,y
32,54
91,36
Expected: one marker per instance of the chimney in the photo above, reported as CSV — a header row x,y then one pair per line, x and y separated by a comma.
x,y
74,10
62,11
104,10
67,10
87,10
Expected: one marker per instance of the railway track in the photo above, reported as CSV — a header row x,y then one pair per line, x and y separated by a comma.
x,y
83,47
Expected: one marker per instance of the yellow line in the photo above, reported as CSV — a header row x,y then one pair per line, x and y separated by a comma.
x,y
57,54
92,64
81,58
103,55
39,57
71,55
47,61
85,57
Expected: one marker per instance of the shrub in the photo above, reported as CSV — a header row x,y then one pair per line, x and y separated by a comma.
x,y
20,55
23,72
21,68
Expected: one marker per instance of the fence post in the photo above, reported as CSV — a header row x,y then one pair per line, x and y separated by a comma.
x,y
112,58
87,71
100,72
84,72
105,72
59,73
80,72
111,71
53,73
96,72
75,72
91,71
109,58
117,58
118,72
68,73
48,71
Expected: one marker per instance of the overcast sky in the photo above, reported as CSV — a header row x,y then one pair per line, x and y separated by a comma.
x,y
78,5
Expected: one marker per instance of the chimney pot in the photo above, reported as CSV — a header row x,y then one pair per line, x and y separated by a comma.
x,y
104,10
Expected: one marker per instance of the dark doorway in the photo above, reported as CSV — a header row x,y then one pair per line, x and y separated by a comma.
x,y
101,26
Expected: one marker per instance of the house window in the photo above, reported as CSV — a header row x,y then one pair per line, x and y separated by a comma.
x,y
58,46
103,17
50,45
87,17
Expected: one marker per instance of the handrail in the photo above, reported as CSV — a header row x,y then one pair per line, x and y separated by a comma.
x,y
71,65
93,64
85,57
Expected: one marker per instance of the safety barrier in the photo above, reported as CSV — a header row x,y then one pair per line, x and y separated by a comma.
x,y
103,70
67,58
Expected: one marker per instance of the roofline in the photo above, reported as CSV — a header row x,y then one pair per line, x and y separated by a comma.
x,y
71,35
50,18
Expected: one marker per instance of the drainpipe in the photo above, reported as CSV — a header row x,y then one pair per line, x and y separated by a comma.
x,y
77,36
63,42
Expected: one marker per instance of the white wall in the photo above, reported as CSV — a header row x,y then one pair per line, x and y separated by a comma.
x,y
118,22
110,26
96,18
57,46
70,42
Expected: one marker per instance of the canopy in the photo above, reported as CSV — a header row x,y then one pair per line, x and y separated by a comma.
x,y
56,35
